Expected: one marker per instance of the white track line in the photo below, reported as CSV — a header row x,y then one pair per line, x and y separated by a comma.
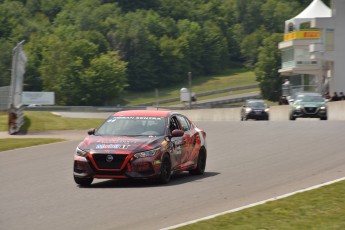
x,y
254,204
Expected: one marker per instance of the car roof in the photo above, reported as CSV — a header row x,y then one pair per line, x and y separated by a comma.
x,y
143,113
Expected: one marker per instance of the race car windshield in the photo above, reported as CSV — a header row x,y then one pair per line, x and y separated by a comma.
x,y
308,98
133,126
256,104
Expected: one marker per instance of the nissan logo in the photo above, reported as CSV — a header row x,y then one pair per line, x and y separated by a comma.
x,y
109,158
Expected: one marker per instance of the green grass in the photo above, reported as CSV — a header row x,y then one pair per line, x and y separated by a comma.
x,y
231,78
15,143
35,120
214,96
322,208
3,121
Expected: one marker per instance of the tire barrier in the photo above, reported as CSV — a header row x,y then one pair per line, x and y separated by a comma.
x,y
15,119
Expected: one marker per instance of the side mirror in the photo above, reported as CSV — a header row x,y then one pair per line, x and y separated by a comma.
x,y
91,131
177,133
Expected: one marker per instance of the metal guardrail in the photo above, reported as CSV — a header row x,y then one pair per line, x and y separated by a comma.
x,y
199,105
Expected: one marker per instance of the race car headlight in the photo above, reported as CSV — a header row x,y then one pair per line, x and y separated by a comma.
x,y
267,110
149,153
248,110
81,152
298,107
323,107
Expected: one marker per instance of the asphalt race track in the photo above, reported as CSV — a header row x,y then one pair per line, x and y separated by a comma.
x,y
247,162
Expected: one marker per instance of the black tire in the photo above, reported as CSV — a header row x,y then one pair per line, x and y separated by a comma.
x,y
165,170
292,118
323,118
201,164
83,181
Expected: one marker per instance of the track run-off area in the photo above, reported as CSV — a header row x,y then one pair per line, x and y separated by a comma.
x,y
248,162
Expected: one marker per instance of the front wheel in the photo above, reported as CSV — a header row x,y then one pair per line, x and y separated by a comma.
x,y
201,164
292,118
165,170
83,181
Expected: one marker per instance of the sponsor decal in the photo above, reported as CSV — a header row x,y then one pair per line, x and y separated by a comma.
x,y
111,146
117,141
157,162
113,119
310,34
202,140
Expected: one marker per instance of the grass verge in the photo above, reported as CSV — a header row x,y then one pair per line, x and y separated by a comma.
x,y
232,78
322,208
36,120
15,143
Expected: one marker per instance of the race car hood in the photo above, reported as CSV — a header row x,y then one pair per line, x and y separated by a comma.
x,y
125,144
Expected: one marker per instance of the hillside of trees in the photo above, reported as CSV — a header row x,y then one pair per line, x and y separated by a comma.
x,y
89,51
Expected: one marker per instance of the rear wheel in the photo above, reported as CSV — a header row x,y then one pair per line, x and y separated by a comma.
x,y
83,181
201,164
165,170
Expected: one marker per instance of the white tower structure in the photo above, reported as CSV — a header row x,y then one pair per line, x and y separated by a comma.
x,y
313,50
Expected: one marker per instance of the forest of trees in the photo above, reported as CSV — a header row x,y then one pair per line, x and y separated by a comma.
x,y
89,51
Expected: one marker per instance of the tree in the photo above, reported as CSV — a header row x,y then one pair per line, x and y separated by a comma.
x,y
191,33
139,46
266,69
215,55
160,40
6,61
250,44
274,14
134,5
247,13
104,79
173,65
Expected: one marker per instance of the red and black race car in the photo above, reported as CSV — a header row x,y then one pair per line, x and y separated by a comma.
x,y
141,144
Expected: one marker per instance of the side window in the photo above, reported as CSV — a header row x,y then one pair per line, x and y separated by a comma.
x,y
173,124
184,123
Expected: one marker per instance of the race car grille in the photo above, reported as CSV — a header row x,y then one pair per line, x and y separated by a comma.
x,y
310,110
109,161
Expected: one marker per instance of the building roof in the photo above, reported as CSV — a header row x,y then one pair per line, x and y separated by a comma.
x,y
316,9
